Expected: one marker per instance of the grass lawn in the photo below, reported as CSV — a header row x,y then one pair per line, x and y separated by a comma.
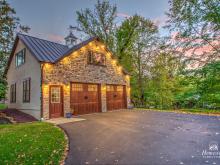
x,y
3,106
196,111
31,143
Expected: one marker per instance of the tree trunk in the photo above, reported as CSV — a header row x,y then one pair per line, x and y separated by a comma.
x,y
140,79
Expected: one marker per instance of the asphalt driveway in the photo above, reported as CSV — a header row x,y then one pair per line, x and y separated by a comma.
x,y
143,137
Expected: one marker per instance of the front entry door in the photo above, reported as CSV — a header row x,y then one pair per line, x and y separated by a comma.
x,y
56,101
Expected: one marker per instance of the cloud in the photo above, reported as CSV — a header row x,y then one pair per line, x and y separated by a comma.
x,y
160,21
197,50
124,15
55,38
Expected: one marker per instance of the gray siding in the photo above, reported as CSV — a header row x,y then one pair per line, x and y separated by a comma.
x,y
30,69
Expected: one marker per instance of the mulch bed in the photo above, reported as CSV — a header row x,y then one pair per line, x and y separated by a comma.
x,y
4,120
18,116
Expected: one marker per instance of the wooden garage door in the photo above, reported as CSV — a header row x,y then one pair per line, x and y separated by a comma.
x,y
115,97
85,98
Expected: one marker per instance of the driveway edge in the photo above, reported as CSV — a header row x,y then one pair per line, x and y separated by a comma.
x,y
178,112
66,149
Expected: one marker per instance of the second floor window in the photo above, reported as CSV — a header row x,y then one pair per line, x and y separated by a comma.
x,y
20,57
96,58
13,93
26,90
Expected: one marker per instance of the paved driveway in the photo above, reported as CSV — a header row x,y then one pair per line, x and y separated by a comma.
x,y
143,137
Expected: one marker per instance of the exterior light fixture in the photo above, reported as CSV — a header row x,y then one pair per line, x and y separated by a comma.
x,y
90,44
114,62
109,54
103,46
104,88
119,69
83,48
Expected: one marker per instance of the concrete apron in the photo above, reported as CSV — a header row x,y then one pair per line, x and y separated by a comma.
x,y
63,120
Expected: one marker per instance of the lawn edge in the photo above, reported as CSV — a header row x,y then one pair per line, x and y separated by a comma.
x,y
176,111
66,149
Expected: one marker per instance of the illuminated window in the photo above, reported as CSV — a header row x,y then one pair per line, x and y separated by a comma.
x,y
119,88
96,58
92,88
110,88
77,87
55,94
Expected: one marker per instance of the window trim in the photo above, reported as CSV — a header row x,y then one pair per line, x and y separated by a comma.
x,y
13,93
27,88
24,57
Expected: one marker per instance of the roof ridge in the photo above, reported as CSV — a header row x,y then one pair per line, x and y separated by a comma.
x,y
40,39
77,46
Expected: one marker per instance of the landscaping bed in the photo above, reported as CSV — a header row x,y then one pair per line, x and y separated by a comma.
x,y
4,120
31,143
18,116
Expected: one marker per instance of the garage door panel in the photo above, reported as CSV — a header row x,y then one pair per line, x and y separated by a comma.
x,y
115,97
85,98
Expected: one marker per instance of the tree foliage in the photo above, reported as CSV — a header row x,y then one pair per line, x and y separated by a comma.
x,y
99,22
9,23
197,25
209,85
136,42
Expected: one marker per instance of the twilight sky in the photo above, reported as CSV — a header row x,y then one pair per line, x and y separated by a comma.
x,y
49,19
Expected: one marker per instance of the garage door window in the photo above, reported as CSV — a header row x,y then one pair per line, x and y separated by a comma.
x,y
92,88
110,88
119,89
77,87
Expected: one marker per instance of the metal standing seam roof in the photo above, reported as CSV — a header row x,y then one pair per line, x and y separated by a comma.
x,y
47,51
43,50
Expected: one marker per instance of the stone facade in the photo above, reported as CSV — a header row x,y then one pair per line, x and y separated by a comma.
x,y
75,68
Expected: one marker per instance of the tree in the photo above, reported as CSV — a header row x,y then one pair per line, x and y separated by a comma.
x,y
9,23
208,85
136,41
197,25
163,82
99,22
186,93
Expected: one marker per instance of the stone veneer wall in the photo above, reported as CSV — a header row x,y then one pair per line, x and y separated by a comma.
x,y
74,68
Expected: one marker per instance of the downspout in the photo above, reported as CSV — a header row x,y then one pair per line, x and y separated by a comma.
x,y
42,96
